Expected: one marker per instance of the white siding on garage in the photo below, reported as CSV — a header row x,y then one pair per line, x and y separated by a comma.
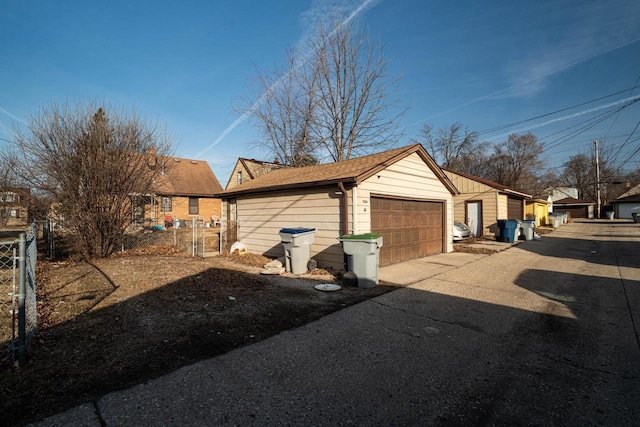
x,y
261,217
626,209
410,178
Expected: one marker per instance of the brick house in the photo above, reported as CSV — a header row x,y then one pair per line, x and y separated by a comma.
x,y
183,190
14,207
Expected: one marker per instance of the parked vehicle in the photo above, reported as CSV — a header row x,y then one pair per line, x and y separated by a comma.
x,y
460,231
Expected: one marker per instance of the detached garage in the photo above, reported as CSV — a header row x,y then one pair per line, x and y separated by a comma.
x,y
401,194
576,208
625,207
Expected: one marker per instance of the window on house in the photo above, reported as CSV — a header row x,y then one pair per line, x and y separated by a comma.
x,y
8,197
166,204
193,206
239,177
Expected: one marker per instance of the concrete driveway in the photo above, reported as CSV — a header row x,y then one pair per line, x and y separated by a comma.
x,y
543,333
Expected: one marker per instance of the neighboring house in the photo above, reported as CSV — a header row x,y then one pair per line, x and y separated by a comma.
x,y
184,189
627,204
576,208
538,208
559,193
631,192
248,169
400,193
14,207
482,202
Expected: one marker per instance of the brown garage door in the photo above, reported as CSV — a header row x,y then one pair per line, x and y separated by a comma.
x,y
410,229
574,211
514,208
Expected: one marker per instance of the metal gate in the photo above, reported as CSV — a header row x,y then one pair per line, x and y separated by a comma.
x,y
198,237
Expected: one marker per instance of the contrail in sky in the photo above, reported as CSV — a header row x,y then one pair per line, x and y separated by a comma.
x,y
13,116
361,7
525,82
570,116
4,129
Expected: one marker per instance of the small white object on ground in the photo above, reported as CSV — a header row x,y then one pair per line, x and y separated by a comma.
x,y
328,287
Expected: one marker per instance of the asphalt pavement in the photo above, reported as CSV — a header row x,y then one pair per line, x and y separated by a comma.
x,y
544,332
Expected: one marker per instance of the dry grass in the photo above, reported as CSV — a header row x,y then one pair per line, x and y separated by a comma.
x,y
110,324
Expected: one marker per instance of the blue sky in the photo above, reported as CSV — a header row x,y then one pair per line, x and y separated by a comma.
x,y
188,65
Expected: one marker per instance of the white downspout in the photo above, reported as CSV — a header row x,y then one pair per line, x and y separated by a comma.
x,y
354,209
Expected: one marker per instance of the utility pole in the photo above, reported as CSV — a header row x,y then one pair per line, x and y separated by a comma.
x,y
595,141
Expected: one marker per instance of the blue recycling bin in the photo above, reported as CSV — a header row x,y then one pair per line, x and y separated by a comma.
x,y
507,230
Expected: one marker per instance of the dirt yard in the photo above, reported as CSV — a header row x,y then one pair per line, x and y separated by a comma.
x,y
110,324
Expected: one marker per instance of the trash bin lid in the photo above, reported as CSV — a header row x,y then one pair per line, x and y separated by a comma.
x,y
365,236
297,230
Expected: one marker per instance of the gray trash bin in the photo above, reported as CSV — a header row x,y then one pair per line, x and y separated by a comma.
x,y
297,244
363,257
555,220
518,232
565,217
528,226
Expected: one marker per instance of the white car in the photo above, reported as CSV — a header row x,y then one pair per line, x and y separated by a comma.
x,y
460,231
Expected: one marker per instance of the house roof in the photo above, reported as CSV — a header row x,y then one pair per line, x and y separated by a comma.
x,y
256,168
352,171
633,191
186,177
627,199
489,183
572,201
536,199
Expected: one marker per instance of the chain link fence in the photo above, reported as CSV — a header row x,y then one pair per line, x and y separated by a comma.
x,y
228,235
18,311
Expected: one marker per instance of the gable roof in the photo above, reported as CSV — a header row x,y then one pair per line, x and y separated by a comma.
x,y
186,177
489,183
633,191
253,168
572,201
352,171
256,168
629,198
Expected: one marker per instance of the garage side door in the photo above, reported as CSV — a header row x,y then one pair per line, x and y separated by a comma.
x,y
409,228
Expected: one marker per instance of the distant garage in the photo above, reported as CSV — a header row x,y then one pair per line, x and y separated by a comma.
x,y
576,208
410,228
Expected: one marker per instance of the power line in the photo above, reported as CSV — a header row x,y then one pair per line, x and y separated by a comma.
x,y
501,127
635,152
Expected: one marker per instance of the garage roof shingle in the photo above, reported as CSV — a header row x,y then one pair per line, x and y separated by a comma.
x,y
352,171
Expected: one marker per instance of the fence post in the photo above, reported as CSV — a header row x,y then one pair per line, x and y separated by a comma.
x,y
22,315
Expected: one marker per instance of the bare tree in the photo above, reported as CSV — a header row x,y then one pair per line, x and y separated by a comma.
x,y
516,163
333,99
93,161
283,112
8,185
455,148
580,172
357,113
